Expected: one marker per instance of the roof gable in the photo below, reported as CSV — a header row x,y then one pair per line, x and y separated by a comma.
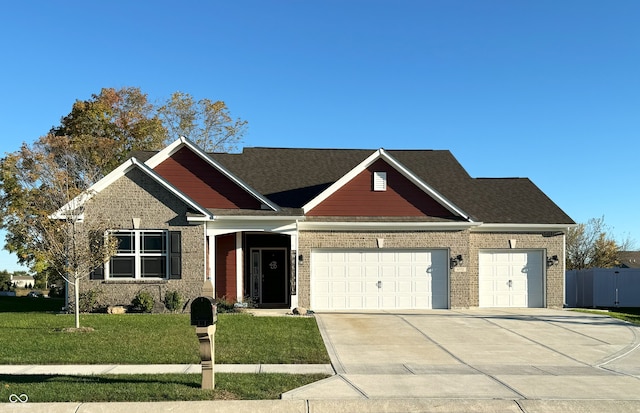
x,y
129,165
188,167
438,204
204,183
401,198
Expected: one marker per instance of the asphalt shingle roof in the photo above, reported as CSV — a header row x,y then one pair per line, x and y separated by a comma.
x,y
291,177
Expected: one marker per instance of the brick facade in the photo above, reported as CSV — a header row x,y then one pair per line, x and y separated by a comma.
x,y
463,285
552,244
456,241
135,195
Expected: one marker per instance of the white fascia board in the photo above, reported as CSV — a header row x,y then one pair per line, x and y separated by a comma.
x,y
245,218
116,174
341,182
258,218
166,153
107,180
175,191
381,153
424,186
386,226
284,224
488,227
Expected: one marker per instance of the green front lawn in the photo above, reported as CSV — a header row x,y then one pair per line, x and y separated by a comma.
x,y
149,388
30,336
38,338
631,315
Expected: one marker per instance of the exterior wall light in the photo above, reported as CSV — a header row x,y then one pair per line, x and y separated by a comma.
x,y
455,261
553,260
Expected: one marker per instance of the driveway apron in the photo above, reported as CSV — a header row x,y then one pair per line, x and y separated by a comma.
x,y
515,354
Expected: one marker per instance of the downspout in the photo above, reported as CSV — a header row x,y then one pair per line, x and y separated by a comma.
x,y
297,266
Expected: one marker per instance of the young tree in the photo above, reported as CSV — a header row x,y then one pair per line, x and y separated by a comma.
x,y
41,186
205,122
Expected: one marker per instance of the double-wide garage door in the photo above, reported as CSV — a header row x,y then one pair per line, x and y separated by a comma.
x,y
511,278
379,279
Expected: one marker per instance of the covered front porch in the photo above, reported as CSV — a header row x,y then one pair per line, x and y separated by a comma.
x,y
255,266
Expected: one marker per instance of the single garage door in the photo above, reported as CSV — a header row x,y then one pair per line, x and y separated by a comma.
x,y
511,278
379,279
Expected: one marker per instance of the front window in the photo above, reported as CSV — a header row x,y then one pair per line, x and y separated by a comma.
x,y
141,254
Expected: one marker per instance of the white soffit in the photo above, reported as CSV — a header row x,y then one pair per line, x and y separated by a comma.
x,y
382,154
175,146
489,227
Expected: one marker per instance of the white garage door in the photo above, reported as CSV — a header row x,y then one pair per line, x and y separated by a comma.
x,y
511,279
375,279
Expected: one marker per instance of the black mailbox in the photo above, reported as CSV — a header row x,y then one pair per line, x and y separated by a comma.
x,y
204,312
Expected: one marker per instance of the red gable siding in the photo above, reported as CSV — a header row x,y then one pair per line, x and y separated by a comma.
x,y
203,183
226,267
402,197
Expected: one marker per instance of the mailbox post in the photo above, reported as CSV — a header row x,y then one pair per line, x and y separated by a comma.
x,y
204,317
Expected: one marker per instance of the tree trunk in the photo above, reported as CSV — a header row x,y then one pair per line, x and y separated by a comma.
x,y
76,293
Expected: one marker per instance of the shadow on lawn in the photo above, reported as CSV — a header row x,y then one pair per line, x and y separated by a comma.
x,y
30,305
29,379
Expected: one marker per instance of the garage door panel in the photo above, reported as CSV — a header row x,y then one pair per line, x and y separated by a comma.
x,y
391,279
511,279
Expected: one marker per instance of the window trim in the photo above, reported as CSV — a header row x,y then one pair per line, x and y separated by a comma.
x,y
138,255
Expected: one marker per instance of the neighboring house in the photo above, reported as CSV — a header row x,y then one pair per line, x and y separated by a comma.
x,y
23,281
328,229
629,259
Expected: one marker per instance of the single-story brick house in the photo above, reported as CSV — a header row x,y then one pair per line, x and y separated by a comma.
x,y
328,229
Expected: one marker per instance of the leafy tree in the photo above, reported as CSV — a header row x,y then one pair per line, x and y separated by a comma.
x,y
5,280
96,136
37,182
204,122
590,245
124,118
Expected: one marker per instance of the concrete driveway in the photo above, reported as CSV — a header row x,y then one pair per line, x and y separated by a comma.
x,y
526,356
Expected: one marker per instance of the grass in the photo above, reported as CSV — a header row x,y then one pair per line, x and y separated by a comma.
x,y
37,338
31,335
631,315
150,388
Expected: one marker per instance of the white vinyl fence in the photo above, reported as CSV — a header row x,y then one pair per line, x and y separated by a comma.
x,y
603,287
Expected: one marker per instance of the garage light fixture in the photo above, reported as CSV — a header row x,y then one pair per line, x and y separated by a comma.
x,y
552,261
455,261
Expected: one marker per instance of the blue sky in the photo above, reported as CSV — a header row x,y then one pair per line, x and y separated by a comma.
x,y
548,90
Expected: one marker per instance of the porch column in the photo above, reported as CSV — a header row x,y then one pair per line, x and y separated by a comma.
x,y
211,260
293,237
239,268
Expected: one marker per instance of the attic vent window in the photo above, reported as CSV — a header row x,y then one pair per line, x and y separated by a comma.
x,y
379,181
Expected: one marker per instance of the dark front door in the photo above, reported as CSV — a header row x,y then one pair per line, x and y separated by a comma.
x,y
271,276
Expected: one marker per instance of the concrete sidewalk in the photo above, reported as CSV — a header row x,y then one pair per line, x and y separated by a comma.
x,y
101,369
338,406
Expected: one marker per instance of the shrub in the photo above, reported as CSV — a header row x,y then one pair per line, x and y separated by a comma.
x,y
56,292
225,306
143,301
172,300
88,301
